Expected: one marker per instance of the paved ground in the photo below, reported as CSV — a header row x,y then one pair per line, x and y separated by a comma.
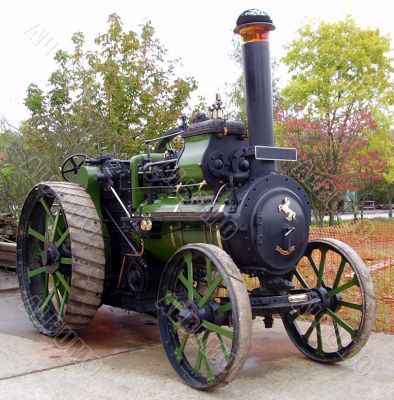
x,y
127,362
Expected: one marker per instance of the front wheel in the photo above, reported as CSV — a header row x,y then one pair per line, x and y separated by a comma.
x,y
204,316
338,330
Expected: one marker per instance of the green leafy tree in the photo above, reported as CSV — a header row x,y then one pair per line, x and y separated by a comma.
x,y
341,74
122,92
19,170
383,142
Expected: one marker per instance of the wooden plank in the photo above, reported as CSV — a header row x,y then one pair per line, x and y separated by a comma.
x,y
7,256
7,247
8,264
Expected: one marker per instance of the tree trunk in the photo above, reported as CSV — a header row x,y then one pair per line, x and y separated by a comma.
x,y
332,207
331,218
390,196
319,217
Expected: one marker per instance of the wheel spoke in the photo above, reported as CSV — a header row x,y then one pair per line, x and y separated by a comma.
x,y
313,264
224,308
66,260
351,283
342,323
190,287
216,328
321,267
47,300
223,347
62,238
339,273
197,366
210,290
37,235
35,272
308,333
319,339
170,299
201,346
348,304
337,334
55,227
63,281
55,285
47,209
179,350
64,301
301,280
46,282
184,281
176,325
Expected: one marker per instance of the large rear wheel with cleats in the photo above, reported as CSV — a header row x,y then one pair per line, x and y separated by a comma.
x,y
60,257
337,329
204,315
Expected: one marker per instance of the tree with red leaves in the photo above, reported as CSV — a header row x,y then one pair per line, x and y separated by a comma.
x,y
329,164
341,84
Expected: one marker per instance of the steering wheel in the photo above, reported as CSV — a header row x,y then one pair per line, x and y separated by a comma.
x,y
72,164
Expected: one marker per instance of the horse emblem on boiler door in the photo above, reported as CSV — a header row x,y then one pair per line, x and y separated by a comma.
x,y
285,208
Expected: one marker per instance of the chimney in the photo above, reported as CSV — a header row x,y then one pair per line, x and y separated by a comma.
x,y
254,27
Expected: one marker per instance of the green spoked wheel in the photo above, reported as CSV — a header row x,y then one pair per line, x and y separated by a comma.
x,y
340,327
60,257
204,316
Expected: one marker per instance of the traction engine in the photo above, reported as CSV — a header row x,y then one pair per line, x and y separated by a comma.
x,y
206,236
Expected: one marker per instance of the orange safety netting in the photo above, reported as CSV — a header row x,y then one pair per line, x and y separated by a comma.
x,y
374,242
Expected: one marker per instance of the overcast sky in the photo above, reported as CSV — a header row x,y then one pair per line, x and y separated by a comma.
x,y
199,32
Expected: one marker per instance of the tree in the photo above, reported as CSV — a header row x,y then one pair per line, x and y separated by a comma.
x,y
120,93
19,170
360,163
342,83
383,143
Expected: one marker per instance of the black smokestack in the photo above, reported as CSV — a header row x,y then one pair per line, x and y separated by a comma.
x,y
254,26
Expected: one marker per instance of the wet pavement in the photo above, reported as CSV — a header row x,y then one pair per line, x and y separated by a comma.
x,y
120,357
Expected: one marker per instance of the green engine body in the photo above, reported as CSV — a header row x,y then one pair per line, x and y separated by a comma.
x,y
198,185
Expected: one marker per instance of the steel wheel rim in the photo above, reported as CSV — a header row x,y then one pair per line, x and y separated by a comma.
x,y
340,331
211,354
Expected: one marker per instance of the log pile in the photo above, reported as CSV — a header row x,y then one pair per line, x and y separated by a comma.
x,y
8,227
8,230
8,255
